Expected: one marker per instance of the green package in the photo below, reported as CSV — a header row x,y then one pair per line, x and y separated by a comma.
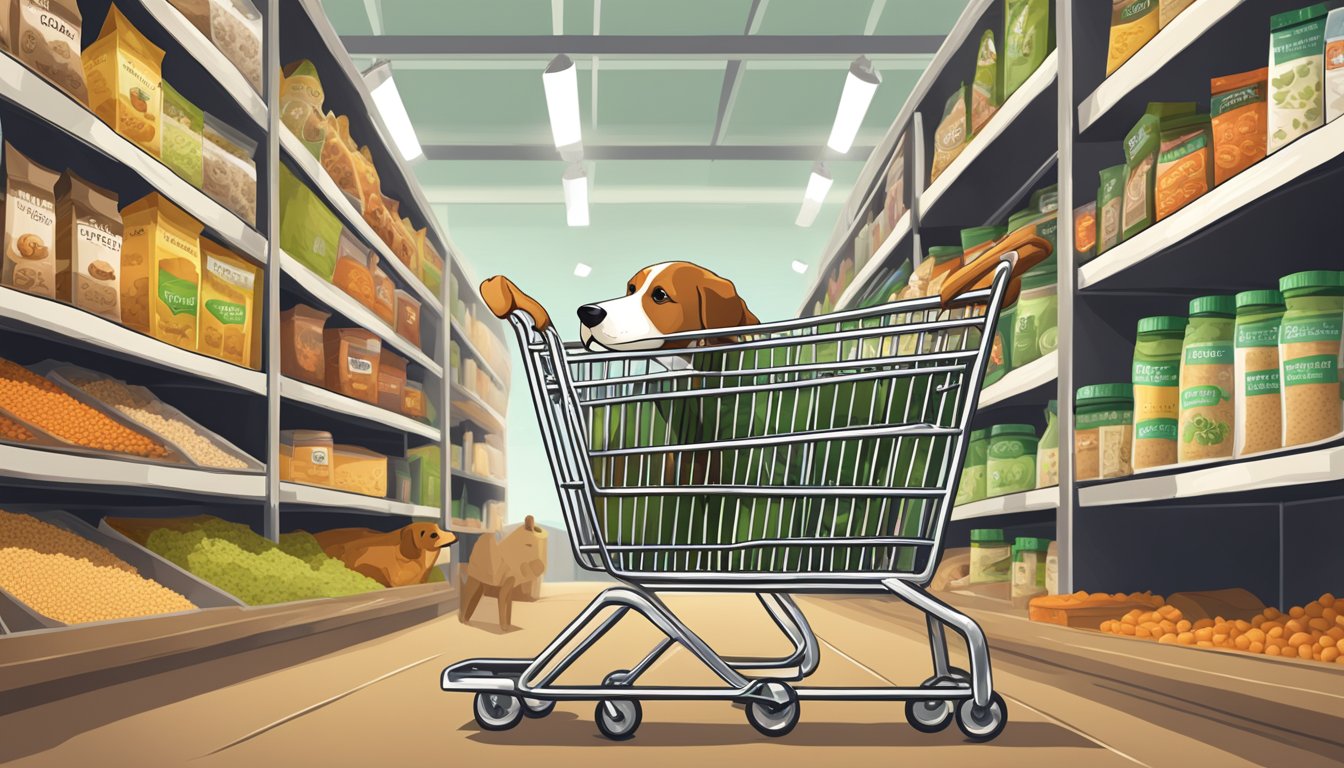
x,y
987,88
1011,461
1296,74
183,123
1110,198
1026,36
1141,148
972,484
308,231
426,466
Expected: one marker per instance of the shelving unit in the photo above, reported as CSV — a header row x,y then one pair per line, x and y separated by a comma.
x,y
204,51
300,495
318,397
1028,501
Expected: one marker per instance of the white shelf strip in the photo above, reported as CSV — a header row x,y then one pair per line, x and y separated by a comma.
x,y
314,496
464,341
34,94
339,301
1149,60
462,474
303,392
1038,372
91,331
1013,503
135,477
341,205
1302,156
214,62
857,286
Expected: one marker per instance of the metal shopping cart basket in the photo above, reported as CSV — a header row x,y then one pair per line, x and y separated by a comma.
x,y
817,455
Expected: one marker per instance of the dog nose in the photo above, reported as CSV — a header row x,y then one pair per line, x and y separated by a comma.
x,y
591,315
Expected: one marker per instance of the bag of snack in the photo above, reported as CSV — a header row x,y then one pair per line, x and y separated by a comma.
x,y
1141,149
431,268
235,29
88,234
301,98
302,346
340,159
1085,231
47,39
125,73
352,273
228,316
1110,199
309,232
384,292
229,170
160,270
1133,24
1184,167
30,225
1027,40
1296,74
183,124
1237,112
986,90
952,134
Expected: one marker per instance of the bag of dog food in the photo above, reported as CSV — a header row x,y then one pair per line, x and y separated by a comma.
x,y
88,235
30,225
125,75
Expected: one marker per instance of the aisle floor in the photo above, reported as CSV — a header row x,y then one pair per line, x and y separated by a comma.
x,y
378,703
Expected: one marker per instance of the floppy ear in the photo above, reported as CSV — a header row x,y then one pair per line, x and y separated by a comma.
x,y
720,306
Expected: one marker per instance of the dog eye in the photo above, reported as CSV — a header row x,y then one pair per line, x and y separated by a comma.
x,y
660,296
629,289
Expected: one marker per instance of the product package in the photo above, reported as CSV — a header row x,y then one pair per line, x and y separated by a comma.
x,y
408,317
88,234
1027,33
1133,24
47,39
309,232
1047,449
229,168
1170,9
160,270
1237,109
391,380
306,456
384,293
413,401
352,362
1103,431
234,26
1110,201
359,470
1142,145
952,134
1012,459
1296,74
1085,232
301,98
183,124
1334,64
1208,389
340,159
431,269
987,88
30,226
1156,387
972,484
302,344
1310,355
352,273
125,75
991,557
895,198
229,285
1184,164
1259,419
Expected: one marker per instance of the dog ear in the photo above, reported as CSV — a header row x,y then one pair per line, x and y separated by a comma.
x,y
410,547
720,306
530,523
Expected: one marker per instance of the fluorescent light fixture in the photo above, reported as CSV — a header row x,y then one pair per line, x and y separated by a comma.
x,y
860,85
582,270
799,267
818,184
387,99
561,81
575,182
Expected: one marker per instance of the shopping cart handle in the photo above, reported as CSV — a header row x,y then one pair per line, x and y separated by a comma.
x,y
1027,247
503,297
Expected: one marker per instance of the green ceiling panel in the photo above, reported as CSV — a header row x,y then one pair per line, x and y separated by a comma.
x,y
480,106
653,106
489,173
918,17
348,17
466,17
718,173
681,17
810,17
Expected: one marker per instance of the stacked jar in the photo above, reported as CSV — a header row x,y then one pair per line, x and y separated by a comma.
x,y
1207,387
1156,379
1011,463
1310,355
1103,431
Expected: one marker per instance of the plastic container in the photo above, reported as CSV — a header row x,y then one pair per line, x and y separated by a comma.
x,y
352,362
1259,420
1047,449
1208,388
391,380
1310,355
359,470
1011,461
1037,314
1103,435
301,344
1029,554
972,485
991,557
1156,375
306,456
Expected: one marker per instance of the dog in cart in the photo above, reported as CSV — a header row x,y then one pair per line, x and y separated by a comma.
x,y
696,449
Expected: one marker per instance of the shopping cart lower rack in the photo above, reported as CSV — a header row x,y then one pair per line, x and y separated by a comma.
x,y
817,455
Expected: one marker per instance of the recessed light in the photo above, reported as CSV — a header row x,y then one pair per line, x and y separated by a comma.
x,y
582,270
799,267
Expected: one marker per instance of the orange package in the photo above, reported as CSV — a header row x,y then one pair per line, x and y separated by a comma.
x,y
1237,106
1184,164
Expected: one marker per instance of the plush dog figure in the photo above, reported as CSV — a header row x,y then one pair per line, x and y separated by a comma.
x,y
503,569
393,559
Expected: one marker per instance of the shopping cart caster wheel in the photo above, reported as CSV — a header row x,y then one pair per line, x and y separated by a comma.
x,y
618,719
615,678
928,715
982,723
537,708
498,711
773,718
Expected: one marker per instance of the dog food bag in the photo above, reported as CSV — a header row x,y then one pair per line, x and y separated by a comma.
x,y
306,456
987,88
125,75
1156,382
952,133
1237,109
1085,232
408,317
352,273
1133,24
1012,459
228,286
183,124
301,98
359,470
1310,355
352,362
1184,164
1110,198
1259,422
1334,64
47,39
302,344
1142,145
1208,387
391,380
30,225
309,232
229,170
88,234
1103,432
1296,74
161,270
1027,32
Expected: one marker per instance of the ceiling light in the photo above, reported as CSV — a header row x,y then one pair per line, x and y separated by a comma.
x,y
799,267
860,85
561,81
575,182
818,184
387,99
582,270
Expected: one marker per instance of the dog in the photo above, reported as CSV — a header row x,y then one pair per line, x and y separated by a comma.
x,y
660,300
393,559
505,569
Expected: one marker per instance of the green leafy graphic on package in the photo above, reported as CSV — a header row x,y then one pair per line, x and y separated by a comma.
x,y
1205,431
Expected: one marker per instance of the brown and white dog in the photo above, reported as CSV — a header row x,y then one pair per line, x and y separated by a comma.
x,y
663,299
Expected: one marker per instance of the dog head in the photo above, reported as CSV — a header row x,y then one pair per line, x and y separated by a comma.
x,y
663,299
425,537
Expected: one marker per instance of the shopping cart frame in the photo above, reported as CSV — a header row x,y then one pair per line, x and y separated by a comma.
x,y
509,689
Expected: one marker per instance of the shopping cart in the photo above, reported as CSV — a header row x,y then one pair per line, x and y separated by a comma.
x,y
816,455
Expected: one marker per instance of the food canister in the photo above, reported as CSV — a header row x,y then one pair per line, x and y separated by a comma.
x,y
1103,431
1259,420
1310,355
1207,387
1156,376
991,556
1011,461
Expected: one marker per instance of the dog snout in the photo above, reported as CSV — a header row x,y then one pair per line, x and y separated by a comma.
x,y
591,315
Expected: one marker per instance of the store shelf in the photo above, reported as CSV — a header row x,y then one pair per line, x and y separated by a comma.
x,y
875,264
317,397
462,474
341,302
467,406
1259,181
296,153
1019,381
298,494
468,347
33,466
92,332
1149,60
210,58
32,93
1013,503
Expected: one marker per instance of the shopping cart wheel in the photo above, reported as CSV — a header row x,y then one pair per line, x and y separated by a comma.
x,y
498,711
773,718
617,719
928,715
615,678
982,723
537,708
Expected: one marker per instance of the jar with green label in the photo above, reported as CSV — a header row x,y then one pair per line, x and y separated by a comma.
x,y
1012,459
1259,422
1156,378
1029,555
1309,348
1208,410
1047,450
991,557
1103,432
1035,334
972,484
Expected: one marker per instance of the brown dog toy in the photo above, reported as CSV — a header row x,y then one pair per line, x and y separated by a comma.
x,y
505,569
393,559
502,297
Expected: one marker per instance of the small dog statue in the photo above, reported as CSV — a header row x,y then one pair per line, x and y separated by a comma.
x,y
393,559
505,569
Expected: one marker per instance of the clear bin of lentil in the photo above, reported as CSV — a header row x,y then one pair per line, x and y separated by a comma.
x,y
1259,424
1156,379
1207,387
972,484
1011,462
1103,435
1309,354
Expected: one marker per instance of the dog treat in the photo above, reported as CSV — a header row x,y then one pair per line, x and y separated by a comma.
x,y
352,362
1184,164
305,456
183,124
301,98
359,470
1103,434
952,134
408,317
1026,40
1133,24
391,380
1310,355
1237,109
88,237
229,170
1156,379
30,226
228,286
1110,200
124,71
1259,421
987,88
1296,74
302,353
47,39
1207,386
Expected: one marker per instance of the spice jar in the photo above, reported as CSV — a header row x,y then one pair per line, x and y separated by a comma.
x,y
1012,459
1103,431
1259,422
972,485
991,556
1156,374
1309,351
1207,387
